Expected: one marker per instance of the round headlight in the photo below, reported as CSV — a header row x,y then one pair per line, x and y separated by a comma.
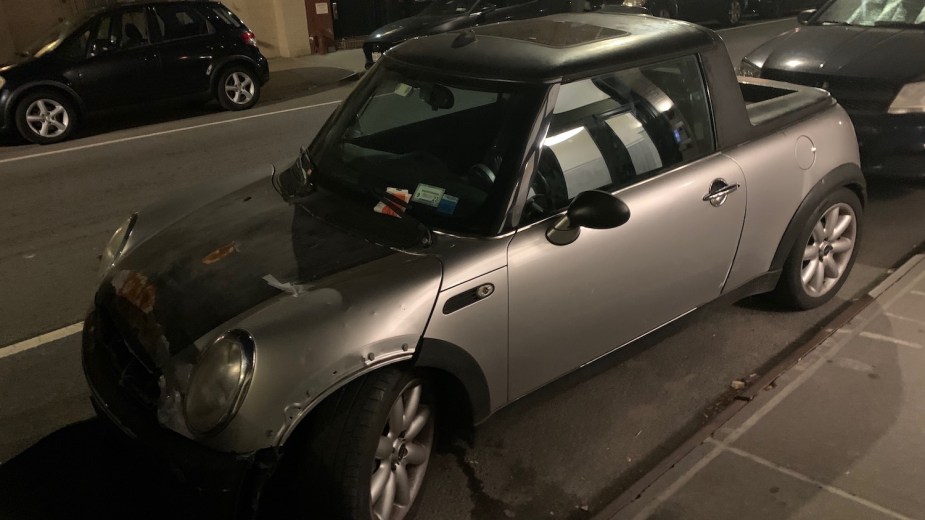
x,y
116,244
219,382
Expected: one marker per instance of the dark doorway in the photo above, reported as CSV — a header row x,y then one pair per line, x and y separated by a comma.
x,y
361,17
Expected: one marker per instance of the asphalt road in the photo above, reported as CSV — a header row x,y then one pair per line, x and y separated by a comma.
x,y
562,452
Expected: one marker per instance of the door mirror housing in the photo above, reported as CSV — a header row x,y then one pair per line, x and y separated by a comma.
x,y
804,16
593,209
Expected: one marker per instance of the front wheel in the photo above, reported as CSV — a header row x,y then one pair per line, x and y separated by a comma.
x,y
824,252
369,447
237,88
733,14
45,117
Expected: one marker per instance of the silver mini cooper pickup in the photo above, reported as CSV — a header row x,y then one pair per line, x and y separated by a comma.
x,y
487,211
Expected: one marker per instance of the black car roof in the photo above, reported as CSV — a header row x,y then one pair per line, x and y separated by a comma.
x,y
546,49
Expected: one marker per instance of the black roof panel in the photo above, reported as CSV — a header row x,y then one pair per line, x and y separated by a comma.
x,y
546,49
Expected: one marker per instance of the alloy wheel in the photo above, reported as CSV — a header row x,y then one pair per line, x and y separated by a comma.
x,y
47,118
239,87
828,250
735,12
402,455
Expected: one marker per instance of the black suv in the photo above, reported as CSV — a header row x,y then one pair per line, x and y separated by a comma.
x,y
126,55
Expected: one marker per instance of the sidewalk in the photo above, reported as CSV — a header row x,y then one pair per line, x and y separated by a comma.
x,y
292,77
840,435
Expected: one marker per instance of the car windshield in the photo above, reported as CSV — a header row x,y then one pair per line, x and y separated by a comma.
x,y
870,13
53,37
443,152
445,7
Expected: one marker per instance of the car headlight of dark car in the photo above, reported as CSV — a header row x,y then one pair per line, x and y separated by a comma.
x,y
749,69
219,382
911,99
116,244
2,82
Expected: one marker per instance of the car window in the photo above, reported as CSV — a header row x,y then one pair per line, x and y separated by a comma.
x,y
75,47
617,129
225,17
874,12
179,21
133,29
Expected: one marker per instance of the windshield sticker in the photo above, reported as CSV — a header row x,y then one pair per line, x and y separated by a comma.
x,y
391,207
403,90
447,205
427,194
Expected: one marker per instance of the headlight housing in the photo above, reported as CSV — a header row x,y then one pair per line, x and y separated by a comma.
x,y
911,99
219,382
749,69
2,82
116,244
634,3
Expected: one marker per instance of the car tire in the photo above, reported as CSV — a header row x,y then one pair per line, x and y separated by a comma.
x,y
45,117
824,252
733,14
360,448
237,88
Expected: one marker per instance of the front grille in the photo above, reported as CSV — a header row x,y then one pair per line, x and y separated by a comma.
x,y
129,367
854,94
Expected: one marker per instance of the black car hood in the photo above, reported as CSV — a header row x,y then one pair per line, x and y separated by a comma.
x,y
220,261
418,26
859,52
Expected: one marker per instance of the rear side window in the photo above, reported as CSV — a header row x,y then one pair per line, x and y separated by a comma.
x,y
179,21
619,128
221,14
133,29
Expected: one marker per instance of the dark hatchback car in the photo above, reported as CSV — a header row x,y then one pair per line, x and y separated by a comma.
x,y
868,54
450,15
127,55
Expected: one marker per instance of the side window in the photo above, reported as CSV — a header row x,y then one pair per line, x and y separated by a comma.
x,y
180,21
616,129
222,15
75,47
133,29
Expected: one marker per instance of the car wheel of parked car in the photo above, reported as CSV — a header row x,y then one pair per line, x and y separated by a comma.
x,y
371,441
45,117
824,252
733,14
237,88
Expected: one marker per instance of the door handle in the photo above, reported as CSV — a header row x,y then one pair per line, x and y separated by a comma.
x,y
719,190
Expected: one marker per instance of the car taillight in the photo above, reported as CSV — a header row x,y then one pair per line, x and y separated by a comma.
x,y
249,38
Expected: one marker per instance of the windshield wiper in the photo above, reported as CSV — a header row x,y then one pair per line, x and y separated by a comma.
x,y
295,181
832,22
901,25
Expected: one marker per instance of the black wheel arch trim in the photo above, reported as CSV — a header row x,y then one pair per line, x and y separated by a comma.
x,y
845,176
454,360
23,90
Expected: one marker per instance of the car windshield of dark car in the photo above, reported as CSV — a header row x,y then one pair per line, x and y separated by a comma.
x,y
52,38
871,13
448,7
444,153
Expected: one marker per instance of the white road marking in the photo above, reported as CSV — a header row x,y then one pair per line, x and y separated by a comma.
x,y
903,318
809,480
38,341
156,134
890,339
918,293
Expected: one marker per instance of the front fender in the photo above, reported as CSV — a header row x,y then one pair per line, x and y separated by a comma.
x,y
311,344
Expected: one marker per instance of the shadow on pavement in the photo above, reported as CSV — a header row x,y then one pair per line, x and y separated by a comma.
x,y
86,471
284,85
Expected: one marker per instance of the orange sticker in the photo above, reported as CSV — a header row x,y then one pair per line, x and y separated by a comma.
x,y
220,253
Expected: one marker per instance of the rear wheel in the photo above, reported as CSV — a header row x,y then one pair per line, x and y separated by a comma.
x,y
367,453
237,88
45,117
824,252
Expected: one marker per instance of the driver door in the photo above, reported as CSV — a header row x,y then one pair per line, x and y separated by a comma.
x,y
645,135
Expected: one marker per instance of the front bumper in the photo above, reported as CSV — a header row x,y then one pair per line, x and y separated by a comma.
x,y
891,145
5,121
225,483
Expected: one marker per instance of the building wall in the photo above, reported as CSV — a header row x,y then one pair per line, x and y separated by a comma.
x,y
280,25
30,19
6,38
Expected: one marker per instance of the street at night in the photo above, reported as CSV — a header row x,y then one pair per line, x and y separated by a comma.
x,y
565,451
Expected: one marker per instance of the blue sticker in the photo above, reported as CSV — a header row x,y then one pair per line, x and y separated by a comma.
x,y
677,136
447,205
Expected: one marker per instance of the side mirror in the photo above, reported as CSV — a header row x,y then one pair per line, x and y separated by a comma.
x,y
98,47
804,16
591,209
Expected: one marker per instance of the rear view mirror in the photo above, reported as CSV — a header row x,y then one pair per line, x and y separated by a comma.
x,y
591,209
804,16
438,97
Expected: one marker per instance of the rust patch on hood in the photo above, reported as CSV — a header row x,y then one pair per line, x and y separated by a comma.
x,y
220,253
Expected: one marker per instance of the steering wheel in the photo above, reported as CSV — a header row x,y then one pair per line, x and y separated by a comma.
x,y
481,176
